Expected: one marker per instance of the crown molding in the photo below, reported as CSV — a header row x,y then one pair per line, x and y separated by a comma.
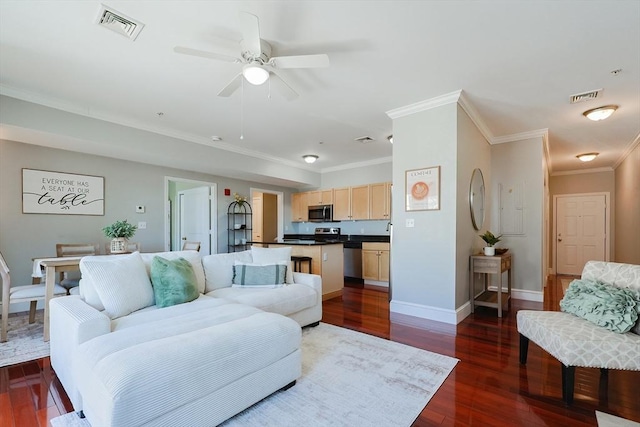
x,y
632,145
475,117
582,171
532,134
428,104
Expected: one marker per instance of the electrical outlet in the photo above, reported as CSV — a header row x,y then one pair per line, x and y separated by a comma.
x,y
409,222
362,231
142,225
324,256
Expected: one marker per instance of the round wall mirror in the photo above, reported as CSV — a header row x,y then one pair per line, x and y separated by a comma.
x,y
476,199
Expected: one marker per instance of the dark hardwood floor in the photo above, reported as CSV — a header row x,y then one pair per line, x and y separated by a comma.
x,y
488,387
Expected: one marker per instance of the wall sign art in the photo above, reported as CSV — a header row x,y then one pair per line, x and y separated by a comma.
x,y
422,189
47,192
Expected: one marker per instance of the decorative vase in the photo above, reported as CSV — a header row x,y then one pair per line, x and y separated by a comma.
x,y
489,250
118,245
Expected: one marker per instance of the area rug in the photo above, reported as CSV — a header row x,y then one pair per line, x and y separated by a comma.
x,y
24,341
348,379
608,420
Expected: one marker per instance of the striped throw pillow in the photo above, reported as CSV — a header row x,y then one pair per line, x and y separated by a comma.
x,y
259,275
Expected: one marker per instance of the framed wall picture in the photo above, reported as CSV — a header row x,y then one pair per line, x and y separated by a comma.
x,y
422,189
46,192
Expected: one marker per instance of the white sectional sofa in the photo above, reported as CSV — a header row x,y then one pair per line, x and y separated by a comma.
x,y
198,362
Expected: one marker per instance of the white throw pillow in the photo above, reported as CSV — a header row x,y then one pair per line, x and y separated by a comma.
x,y
273,256
218,268
121,282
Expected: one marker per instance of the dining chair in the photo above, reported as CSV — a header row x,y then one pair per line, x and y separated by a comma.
x,y
191,246
71,279
16,294
131,247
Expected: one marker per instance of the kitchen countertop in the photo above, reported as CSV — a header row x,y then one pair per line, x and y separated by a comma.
x,y
298,242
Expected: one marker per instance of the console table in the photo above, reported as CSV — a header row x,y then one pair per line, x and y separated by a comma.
x,y
487,265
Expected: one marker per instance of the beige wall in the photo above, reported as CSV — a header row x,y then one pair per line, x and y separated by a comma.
x,y
627,204
594,182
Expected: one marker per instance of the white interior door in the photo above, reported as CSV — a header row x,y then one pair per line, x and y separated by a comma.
x,y
581,231
195,215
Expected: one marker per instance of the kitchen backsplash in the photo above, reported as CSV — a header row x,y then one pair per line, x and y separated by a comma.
x,y
346,227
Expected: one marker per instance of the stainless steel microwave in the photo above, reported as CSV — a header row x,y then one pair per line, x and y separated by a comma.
x,y
321,213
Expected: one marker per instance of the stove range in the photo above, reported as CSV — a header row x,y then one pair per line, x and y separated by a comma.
x,y
327,234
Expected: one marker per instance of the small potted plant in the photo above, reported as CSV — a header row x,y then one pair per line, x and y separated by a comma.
x,y
119,232
490,239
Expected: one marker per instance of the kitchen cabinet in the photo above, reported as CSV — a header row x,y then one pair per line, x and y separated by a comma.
x,y
351,203
380,201
320,197
300,207
375,263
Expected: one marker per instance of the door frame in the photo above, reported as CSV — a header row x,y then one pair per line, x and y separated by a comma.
x,y
607,222
279,201
213,211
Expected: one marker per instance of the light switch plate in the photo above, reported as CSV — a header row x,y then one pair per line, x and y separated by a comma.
x,y
410,223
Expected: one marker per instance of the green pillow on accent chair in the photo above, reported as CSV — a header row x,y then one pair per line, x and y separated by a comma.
x,y
174,281
604,305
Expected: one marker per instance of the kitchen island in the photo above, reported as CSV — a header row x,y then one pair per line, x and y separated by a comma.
x,y
327,261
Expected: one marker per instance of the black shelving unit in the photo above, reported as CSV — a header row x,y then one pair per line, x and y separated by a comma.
x,y
239,221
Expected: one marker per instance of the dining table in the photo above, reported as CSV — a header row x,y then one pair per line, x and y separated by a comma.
x,y
53,266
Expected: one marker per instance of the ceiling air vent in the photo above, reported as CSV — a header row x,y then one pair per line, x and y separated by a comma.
x,y
118,22
585,96
364,139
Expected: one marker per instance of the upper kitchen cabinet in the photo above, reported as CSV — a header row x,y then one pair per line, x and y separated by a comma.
x,y
351,203
380,201
321,197
299,207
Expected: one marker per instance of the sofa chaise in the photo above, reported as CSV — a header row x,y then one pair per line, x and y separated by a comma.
x,y
123,361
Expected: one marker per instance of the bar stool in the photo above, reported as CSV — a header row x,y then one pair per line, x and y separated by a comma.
x,y
297,263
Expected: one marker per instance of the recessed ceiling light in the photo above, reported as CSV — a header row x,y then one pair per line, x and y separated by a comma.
x,y
600,113
310,158
587,157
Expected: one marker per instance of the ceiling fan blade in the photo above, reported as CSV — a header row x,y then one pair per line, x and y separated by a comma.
x,y
281,86
300,61
232,86
204,54
250,28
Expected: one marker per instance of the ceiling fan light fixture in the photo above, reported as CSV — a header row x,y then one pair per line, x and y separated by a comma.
x,y
310,158
600,113
587,157
255,73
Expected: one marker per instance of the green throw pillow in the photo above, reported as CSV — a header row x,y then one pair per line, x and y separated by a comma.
x,y
252,275
604,305
174,281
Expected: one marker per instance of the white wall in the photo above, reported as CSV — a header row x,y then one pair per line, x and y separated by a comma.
x,y
627,218
424,257
521,163
473,152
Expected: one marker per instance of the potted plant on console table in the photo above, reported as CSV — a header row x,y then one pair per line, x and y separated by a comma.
x,y
119,232
490,239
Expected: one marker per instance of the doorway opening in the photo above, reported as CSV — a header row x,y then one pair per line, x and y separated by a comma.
x,y
268,214
190,214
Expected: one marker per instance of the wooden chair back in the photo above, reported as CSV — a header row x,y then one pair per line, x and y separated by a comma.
x,y
77,249
191,246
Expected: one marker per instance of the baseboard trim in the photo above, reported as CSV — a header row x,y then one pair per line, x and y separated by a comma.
x,y
331,295
424,312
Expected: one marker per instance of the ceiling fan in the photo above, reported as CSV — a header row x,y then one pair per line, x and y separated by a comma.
x,y
259,66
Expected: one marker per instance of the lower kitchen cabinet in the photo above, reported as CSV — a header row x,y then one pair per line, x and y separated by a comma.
x,y
375,263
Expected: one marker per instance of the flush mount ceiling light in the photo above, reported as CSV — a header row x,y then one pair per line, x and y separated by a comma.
x,y
390,138
587,157
310,158
600,113
255,73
